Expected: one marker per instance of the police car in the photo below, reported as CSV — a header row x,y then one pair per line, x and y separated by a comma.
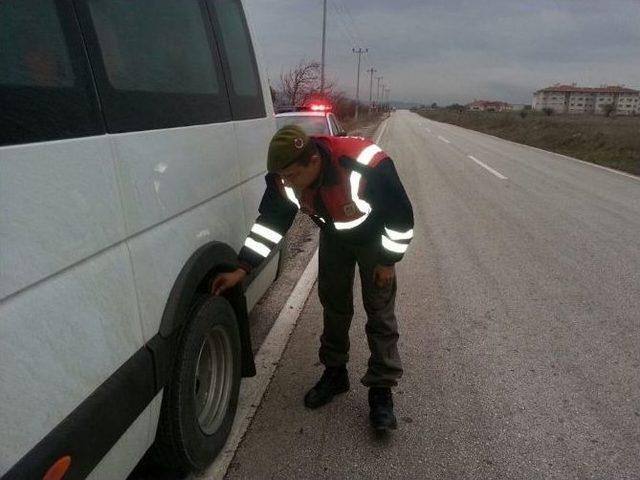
x,y
315,119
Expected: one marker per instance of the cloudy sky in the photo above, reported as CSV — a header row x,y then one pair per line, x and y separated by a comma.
x,y
456,50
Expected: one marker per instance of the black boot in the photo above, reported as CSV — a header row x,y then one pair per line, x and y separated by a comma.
x,y
334,380
381,409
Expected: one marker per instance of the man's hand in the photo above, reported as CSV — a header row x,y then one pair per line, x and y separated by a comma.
x,y
225,281
383,276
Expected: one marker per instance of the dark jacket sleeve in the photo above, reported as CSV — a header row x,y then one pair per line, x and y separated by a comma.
x,y
392,203
276,214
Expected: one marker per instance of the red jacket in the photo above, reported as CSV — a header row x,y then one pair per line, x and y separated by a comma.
x,y
358,197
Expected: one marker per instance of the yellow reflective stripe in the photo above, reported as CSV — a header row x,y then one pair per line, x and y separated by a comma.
x,y
393,246
363,206
365,157
351,224
257,247
267,233
395,235
291,196
367,154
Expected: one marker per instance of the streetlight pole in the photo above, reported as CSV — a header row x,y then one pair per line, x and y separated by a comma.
x,y
371,71
378,90
359,52
324,42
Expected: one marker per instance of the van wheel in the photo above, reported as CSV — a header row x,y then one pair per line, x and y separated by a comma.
x,y
200,400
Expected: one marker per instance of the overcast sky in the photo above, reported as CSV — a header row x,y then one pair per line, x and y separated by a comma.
x,y
456,50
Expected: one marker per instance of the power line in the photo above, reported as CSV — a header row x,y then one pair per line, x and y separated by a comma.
x,y
345,30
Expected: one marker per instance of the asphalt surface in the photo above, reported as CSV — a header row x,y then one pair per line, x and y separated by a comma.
x,y
519,309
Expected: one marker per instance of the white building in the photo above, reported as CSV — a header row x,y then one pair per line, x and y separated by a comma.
x,y
488,106
574,99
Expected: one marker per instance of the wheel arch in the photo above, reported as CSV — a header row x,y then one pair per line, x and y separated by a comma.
x,y
194,279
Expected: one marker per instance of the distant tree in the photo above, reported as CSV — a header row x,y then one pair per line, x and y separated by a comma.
x,y
548,111
608,109
303,82
434,105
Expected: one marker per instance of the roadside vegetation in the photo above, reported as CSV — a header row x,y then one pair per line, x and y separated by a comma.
x,y
301,85
609,141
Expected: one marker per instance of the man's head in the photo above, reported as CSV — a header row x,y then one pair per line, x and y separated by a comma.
x,y
294,156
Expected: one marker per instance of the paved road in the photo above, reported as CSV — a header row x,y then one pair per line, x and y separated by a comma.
x,y
519,305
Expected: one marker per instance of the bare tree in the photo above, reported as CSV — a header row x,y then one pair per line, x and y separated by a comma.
x,y
302,83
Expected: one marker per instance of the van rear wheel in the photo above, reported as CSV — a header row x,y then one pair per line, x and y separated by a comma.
x,y
200,400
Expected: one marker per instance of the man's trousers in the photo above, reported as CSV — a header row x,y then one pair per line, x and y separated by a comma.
x,y
337,262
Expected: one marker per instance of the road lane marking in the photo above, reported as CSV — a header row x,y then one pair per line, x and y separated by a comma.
x,y
548,152
495,172
443,139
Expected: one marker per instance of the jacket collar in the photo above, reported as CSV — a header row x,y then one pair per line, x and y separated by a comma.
x,y
328,175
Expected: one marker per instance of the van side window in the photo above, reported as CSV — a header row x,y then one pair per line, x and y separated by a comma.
x,y
45,86
239,59
156,63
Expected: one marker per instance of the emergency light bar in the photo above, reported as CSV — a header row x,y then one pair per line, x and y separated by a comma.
x,y
319,107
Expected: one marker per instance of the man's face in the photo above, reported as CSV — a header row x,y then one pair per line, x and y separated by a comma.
x,y
300,177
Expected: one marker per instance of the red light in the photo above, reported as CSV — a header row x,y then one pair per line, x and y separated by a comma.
x,y
319,107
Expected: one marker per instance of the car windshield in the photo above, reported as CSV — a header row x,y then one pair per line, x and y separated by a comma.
x,y
311,125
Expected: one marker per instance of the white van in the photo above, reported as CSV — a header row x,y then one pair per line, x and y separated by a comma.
x,y
133,139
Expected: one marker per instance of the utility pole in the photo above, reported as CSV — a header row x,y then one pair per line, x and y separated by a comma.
x,y
359,52
378,90
371,71
324,42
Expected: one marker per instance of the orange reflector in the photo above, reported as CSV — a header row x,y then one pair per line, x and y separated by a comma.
x,y
59,469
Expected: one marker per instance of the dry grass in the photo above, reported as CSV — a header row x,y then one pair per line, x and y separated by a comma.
x,y
612,142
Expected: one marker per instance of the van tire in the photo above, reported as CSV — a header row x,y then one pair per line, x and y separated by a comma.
x,y
186,443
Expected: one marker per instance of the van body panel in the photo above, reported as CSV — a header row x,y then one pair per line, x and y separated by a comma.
x,y
94,232
124,455
59,204
159,254
254,135
59,342
163,173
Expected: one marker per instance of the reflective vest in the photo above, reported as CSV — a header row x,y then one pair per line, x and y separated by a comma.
x,y
342,199
344,202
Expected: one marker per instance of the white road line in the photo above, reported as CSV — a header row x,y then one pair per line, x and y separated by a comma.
x,y
495,172
443,139
549,152
266,360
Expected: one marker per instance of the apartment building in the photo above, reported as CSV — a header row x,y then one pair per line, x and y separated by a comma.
x,y
574,99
